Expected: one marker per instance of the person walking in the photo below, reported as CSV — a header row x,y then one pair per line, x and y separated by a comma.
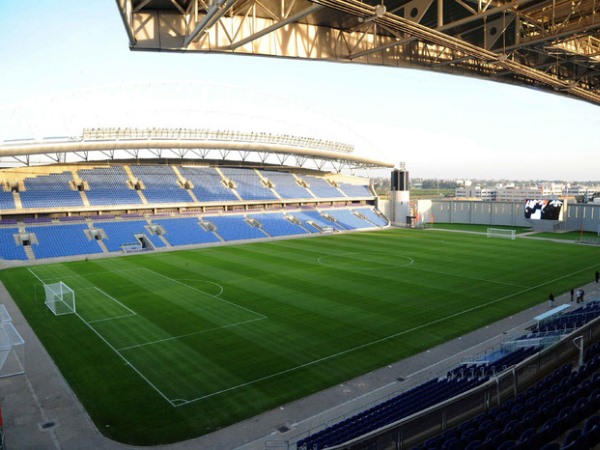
x,y
572,294
597,276
551,300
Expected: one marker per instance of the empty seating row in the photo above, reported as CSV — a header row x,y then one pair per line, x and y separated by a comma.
x,y
286,185
128,232
161,184
7,200
558,404
403,405
207,184
493,367
8,245
185,231
275,224
80,237
248,184
567,322
50,191
425,395
109,186
63,240
234,228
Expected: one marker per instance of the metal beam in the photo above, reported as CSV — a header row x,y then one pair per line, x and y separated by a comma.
x,y
426,34
299,15
45,148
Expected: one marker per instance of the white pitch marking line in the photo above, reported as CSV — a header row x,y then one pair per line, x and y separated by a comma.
x,y
171,338
206,293
205,281
142,376
377,341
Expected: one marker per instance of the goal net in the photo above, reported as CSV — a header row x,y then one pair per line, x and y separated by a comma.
x,y
60,298
12,351
501,233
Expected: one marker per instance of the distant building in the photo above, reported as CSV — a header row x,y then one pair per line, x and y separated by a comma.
x,y
515,194
475,192
512,193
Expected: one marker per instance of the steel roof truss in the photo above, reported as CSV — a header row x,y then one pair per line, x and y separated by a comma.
x,y
200,152
300,160
244,155
285,20
416,9
494,29
83,155
178,7
282,157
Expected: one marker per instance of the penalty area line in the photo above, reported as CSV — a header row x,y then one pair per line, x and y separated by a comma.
x,y
378,341
262,316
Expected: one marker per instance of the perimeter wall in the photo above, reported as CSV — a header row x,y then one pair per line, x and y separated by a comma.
x,y
576,216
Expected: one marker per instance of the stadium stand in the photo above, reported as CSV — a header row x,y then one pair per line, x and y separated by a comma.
x,y
553,329
321,187
124,232
50,191
208,186
160,184
234,228
275,224
106,196
410,402
355,190
185,231
7,200
286,185
560,404
62,240
373,217
347,219
248,184
8,246
315,220
108,186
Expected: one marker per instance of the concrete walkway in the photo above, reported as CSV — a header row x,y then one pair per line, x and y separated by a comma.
x,y
41,412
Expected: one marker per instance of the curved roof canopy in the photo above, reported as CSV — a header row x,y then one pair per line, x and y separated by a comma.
x,y
549,44
173,144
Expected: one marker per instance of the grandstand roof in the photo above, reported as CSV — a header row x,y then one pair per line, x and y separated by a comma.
x,y
185,144
548,44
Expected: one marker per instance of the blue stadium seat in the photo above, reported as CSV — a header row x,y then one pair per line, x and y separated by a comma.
x,y
208,186
234,228
185,231
62,240
50,191
9,249
108,186
248,184
161,184
123,232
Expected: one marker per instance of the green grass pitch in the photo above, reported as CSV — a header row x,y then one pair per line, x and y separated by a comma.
x,y
169,346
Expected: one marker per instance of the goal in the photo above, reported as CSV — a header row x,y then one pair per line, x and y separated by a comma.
x,y
501,233
60,298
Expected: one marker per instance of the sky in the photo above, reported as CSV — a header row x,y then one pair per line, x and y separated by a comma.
x,y
67,64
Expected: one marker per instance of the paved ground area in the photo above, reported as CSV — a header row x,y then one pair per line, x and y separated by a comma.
x,y
41,412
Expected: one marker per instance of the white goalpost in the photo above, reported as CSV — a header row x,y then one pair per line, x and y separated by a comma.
x,y
12,351
60,298
501,233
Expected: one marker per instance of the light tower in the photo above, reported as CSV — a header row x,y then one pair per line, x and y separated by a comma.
x,y
400,196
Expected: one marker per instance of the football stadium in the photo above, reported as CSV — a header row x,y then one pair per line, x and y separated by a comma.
x,y
172,285
248,304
